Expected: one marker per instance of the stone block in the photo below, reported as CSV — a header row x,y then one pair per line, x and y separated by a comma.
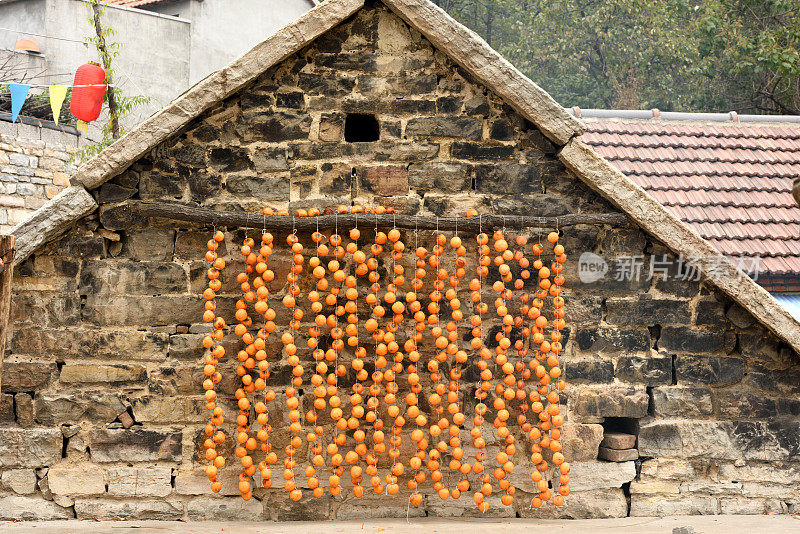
x,y
379,506
225,509
150,244
20,508
589,370
710,487
676,401
595,475
617,455
229,159
268,159
24,375
593,504
74,479
267,187
612,401
650,370
469,128
92,342
513,178
116,510
135,445
140,481
708,370
649,485
110,192
32,447
685,339
745,506
618,440
21,481
384,180
6,408
737,404
444,176
273,127
148,311
24,408
691,439
306,509
63,408
612,340
580,441
464,506
111,374
102,278
647,311
661,505
710,312
157,409
480,152
195,482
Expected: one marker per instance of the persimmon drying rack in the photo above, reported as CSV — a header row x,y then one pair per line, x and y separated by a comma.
x,y
235,219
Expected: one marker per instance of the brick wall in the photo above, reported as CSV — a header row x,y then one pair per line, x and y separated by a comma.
x,y
33,168
102,407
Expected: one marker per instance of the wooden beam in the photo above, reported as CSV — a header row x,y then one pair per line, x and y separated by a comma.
x,y
7,258
135,213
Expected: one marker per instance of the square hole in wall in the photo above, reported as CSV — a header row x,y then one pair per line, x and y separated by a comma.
x,y
361,128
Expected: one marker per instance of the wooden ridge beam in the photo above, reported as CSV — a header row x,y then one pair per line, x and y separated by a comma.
x,y
134,213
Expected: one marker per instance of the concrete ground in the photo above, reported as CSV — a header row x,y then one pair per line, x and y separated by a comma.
x,y
719,524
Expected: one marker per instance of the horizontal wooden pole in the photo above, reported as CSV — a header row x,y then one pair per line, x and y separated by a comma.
x,y
135,212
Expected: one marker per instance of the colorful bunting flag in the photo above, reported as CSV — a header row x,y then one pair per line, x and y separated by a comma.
x,y
19,92
57,95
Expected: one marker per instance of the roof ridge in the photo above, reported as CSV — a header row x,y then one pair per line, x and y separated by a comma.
x,y
658,115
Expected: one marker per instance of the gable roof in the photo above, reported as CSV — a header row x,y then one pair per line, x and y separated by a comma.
x,y
488,68
730,181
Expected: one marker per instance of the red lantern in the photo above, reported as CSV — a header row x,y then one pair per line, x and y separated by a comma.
x,y
86,102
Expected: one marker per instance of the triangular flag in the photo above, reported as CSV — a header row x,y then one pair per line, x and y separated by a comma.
x,y
57,95
19,92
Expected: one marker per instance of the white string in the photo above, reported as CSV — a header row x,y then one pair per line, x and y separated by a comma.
x,y
61,84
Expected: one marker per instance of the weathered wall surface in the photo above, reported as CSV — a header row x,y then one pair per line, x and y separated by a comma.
x,y
34,167
102,409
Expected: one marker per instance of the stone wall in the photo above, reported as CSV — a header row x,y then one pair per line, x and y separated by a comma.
x,y
102,406
34,168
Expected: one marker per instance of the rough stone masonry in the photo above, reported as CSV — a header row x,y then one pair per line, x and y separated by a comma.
x,y
102,406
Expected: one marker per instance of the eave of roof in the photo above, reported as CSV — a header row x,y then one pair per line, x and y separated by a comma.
x,y
488,67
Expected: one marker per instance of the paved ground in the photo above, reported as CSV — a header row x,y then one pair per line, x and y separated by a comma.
x,y
630,525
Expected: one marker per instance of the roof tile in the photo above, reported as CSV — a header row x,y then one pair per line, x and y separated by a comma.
x,y
731,182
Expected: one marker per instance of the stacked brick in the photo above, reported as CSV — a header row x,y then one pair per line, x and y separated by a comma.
x,y
34,167
102,406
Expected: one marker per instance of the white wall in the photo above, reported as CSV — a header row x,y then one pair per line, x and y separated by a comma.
x,y
225,29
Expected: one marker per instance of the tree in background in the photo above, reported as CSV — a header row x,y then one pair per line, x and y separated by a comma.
x,y
119,104
751,54
693,55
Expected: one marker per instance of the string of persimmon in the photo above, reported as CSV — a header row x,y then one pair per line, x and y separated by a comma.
x,y
460,357
314,332
372,326
482,392
265,276
356,399
214,434
503,394
412,400
396,355
290,348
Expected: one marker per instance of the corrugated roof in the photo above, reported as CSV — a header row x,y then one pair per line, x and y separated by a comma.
x,y
790,302
731,182
134,3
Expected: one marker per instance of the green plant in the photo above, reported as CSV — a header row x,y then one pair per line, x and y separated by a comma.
x,y
119,104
